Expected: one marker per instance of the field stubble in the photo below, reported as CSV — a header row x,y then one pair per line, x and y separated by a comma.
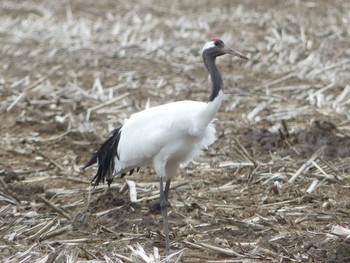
x,y
274,187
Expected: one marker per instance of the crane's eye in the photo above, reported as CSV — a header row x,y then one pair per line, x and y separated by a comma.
x,y
218,43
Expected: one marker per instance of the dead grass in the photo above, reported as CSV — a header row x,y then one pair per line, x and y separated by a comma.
x,y
274,187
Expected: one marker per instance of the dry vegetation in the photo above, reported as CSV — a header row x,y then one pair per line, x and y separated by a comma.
x,y
274,187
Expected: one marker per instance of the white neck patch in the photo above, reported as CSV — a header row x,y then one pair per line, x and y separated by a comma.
x,y
209,44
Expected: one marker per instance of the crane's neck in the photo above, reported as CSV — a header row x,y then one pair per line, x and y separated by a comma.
x,y
207,114
216,79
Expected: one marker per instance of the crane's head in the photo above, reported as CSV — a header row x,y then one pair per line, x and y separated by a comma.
x,y
216,47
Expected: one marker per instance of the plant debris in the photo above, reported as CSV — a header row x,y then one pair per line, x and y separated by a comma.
x,y
273,188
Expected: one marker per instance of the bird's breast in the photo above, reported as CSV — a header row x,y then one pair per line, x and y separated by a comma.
x,y
184,148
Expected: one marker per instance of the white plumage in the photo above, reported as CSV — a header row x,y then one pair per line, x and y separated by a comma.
x,y
169,134
164,136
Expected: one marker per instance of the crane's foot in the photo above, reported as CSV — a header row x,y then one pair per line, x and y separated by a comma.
x,y
154,208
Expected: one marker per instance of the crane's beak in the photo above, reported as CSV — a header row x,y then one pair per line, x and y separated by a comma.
x,y
233,52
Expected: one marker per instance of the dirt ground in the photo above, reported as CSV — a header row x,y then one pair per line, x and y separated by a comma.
x,y
274,187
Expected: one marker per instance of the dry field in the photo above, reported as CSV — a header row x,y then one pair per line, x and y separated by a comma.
x,y
275,187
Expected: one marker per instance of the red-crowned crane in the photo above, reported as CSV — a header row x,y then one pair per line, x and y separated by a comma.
x,y
164,136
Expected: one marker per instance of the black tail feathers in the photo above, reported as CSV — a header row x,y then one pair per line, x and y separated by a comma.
x,y
104,157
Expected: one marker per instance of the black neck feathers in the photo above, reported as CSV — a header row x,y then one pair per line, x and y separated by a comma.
x,y
216,79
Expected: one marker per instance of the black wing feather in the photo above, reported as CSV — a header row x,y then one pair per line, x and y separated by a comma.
x,y
105,158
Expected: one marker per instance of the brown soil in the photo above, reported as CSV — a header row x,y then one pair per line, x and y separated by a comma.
x,y
237,196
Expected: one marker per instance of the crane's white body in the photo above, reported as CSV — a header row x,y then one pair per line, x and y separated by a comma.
x,y
166,136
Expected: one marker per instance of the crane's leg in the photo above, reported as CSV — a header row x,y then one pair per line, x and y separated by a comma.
x,y
164,208
166,190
